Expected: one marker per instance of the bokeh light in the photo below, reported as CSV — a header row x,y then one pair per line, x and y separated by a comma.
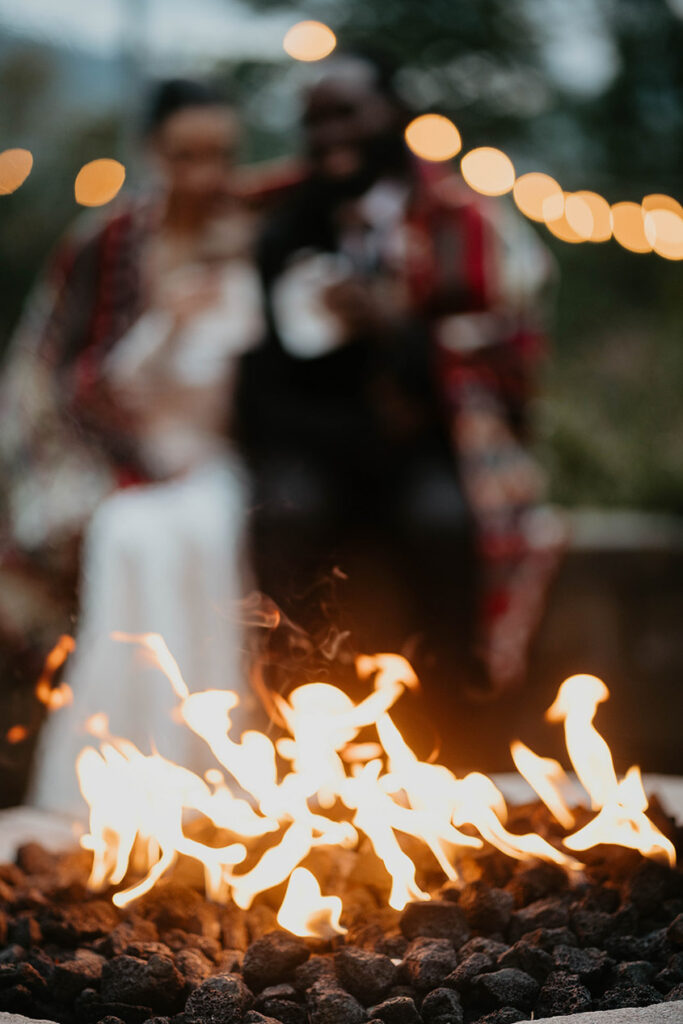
x,y
99,181
433,137
488,170
628,227
309,41
664,232
538,196
15,167
576,206
562,229
660,201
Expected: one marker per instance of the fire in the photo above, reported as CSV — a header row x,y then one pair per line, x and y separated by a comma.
x,y
324,784
55,697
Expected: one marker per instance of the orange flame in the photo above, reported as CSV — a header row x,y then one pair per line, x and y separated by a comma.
x,y
138,802
58,696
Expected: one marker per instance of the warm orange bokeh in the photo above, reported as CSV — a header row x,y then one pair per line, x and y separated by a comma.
x,y
538,196
562,229
309,41
664,231
99,181
488,170
15,167
628,227
433,137
589,215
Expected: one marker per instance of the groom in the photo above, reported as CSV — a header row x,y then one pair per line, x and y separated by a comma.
x,y
362,411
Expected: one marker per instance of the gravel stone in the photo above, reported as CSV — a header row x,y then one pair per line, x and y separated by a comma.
x,y
466,973
436,920
71,976
316,968
194,967
272,959
629,995
546,913
675,931
537,881
220,1000
634,972
506,1015
479,944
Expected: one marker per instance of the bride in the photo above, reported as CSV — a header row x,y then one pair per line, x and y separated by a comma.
x,y
164,555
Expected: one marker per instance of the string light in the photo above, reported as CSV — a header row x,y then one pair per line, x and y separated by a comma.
x,y
433,137
15,167
99,181
488,170
309,41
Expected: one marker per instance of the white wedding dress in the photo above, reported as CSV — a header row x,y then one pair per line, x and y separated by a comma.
x,y
166,557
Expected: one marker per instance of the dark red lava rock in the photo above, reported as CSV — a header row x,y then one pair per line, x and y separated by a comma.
x,y
427,962
486,909
272,959
177,906
551,912
675,931
628,995
435,920
507,987
71,976
155,982
537,881
367,976
440,1005
398,1010
467,972
563,993
528,958
221,1000
479,944
506,1015
194,967
314,969
328,1004
591,965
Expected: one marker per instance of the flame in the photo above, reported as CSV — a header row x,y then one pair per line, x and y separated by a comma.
x,y
16,734
306,912
544,775
55,697
623,821
576,703
271,817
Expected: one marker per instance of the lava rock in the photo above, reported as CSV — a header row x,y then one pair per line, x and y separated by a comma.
x,y
254,1017
442,1004
507,987
563,993
548,938
634,972
479,944
428,962
528,958
675,931
467,972
629,995
328,1004
194,967
486,909
591,965
125,934
550,912
537,881
79,923
178,940
220,1000
651,884
34,859
398,1010
590,926
316,968
675,993
26,931
144,950
154,982
71,976
367,976
286,1011
438,919
272,959
506,1015
672,974
178,906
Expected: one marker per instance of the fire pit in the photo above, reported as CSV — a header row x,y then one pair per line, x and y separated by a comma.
x,y
358,883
